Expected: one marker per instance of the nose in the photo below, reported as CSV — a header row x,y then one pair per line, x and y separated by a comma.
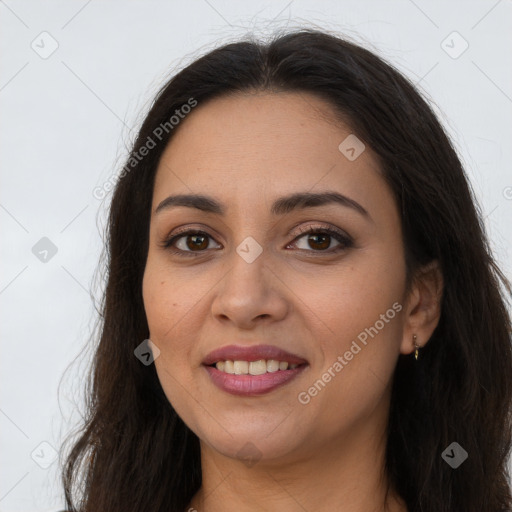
x,y
250,292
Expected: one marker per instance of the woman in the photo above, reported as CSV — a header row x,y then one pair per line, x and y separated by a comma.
x,y
302,310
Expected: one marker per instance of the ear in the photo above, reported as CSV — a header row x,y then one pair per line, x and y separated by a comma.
x,y
423,306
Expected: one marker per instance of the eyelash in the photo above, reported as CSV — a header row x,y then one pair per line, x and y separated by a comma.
x,y
344,240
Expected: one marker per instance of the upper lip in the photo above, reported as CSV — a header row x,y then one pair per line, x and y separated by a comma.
x,y
251,353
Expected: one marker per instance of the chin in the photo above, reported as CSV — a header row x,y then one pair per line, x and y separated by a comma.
x,y
253,443
255,450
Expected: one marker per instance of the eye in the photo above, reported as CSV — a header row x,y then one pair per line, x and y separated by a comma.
x,y
319,238
193,239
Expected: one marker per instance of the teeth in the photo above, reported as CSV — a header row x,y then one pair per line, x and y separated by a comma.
x,y
258,367
241,367
229,367
272,365
254,367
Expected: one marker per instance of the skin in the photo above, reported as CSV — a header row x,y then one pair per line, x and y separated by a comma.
x,y
246,150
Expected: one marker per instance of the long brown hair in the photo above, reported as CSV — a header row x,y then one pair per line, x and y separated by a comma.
x,y
133,451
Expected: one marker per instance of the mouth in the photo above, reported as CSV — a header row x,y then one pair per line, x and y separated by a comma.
x,y
252,371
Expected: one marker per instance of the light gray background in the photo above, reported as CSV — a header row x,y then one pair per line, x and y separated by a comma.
x,y
66,120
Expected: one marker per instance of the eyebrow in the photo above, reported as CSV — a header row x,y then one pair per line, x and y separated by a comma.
x,y
281,206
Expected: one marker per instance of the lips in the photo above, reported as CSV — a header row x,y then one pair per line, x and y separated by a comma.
x,y
252,353
253,384
249,385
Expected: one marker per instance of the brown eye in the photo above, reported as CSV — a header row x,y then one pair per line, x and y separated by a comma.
x,y
320,240
194,242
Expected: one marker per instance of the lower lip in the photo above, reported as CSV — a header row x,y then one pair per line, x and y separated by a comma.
x,y
252,385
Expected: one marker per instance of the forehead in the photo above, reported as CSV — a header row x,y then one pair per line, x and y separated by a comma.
x,y
247,146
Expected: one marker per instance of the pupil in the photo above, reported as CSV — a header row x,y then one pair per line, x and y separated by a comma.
x,y
196,243
321,236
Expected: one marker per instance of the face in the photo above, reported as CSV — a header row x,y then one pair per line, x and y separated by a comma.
x,y
254,276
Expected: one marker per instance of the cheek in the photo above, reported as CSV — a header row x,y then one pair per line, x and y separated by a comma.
x,y
175,312
342,302
166,303
357,322
169,298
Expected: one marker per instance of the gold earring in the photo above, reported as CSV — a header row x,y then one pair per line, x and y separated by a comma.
x,y
416,346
